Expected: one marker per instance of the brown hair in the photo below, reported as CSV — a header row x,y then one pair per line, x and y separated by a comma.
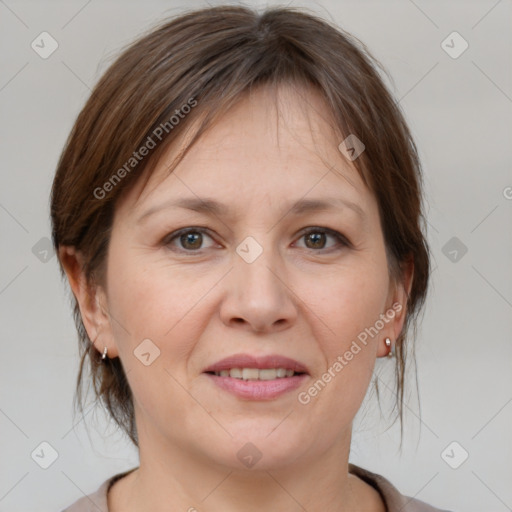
x,y
213,57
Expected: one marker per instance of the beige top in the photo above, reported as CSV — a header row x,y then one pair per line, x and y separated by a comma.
x,y
395,502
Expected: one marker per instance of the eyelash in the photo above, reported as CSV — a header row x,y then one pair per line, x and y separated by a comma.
x,y
342,241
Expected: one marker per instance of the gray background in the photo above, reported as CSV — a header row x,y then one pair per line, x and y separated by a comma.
x,y
460,112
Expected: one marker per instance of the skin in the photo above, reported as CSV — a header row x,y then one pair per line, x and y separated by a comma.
x,y
303,298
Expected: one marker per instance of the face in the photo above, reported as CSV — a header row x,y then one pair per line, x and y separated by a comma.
x,y
254,282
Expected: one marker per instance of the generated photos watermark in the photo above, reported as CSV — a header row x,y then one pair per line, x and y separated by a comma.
x,y
304,397
150,143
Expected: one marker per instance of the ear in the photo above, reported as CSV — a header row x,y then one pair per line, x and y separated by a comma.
x,y
397,302
91,300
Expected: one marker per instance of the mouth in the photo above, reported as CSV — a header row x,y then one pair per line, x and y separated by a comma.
x,y
257,378
249,367
256,374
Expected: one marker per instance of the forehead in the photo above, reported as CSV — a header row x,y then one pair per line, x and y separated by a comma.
x,y
271,145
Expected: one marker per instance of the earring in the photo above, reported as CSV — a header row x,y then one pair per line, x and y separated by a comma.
x,y
104,353
388,343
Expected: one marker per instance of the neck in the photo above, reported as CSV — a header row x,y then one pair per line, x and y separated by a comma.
x,y
188,482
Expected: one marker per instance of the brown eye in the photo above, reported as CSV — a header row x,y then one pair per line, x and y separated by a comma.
x,y
191,240
187,240
317,239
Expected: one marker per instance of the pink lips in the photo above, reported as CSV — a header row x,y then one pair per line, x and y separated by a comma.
x,y
257,389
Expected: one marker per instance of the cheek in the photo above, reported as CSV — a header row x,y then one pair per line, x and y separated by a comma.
x,y
345,309
156,302
349,302
159,304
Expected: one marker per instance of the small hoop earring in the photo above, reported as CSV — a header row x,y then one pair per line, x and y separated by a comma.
x,y
388,343
104,353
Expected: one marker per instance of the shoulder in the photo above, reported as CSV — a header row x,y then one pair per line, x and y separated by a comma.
x,y
394,500
96,501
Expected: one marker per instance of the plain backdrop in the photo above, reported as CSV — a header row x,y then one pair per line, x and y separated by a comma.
x,y
459,108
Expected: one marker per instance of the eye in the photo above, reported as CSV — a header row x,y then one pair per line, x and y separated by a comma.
x,y
315,238
189,239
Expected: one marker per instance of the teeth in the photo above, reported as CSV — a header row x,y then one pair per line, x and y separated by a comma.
x,y
255,373
268,374
250,373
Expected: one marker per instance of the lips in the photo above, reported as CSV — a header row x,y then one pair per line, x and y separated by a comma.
x,y
257,378
272,361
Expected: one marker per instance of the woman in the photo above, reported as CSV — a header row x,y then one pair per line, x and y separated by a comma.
x,y
238,213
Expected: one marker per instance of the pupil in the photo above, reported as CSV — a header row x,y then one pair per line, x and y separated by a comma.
x,y
316,237
191,238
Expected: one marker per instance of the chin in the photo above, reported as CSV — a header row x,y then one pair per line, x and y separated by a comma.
x,y
260,444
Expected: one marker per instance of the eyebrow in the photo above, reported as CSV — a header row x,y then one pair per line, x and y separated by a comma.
x,y
213,207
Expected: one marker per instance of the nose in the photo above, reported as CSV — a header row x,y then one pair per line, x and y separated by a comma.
x,y
258,297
